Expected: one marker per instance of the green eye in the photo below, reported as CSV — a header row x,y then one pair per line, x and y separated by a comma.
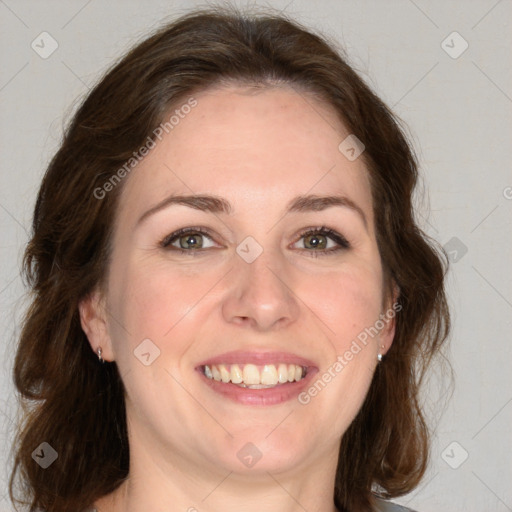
x,y
187,238
317,241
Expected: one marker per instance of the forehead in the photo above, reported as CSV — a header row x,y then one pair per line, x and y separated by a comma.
x,y
256,147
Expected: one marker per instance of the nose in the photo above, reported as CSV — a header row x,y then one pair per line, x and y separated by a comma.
x,y
261,295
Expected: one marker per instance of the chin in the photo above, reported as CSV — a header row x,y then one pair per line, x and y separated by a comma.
x,y
262,450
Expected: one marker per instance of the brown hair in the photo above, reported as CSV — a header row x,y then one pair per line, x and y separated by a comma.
x,y
77,405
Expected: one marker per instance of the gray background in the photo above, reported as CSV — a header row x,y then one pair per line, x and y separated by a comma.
x,y
459,112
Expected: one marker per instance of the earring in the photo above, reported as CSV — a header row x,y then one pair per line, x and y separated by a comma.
x,y
379,355
99,352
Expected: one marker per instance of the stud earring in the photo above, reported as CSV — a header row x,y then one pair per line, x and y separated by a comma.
x,y
99,352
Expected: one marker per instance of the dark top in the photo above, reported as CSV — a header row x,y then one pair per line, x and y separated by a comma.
x,y
387,506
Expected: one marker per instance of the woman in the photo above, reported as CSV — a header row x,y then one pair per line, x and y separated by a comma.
x,y
233,306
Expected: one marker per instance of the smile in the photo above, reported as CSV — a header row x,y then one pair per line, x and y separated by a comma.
x,y
254,376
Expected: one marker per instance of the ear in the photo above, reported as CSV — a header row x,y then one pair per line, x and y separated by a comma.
x,y
93,318
391,310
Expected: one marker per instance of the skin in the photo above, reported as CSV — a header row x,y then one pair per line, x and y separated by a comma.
x,y
258,150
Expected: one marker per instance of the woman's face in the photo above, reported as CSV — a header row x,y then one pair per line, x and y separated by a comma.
x,y
241,340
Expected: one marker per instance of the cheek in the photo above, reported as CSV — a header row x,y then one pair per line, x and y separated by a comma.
x,y
154,301
348,302
151,298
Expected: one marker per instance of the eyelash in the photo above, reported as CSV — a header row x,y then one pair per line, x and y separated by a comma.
x,y
342,242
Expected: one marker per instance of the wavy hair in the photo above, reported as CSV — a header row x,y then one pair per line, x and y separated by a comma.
x,y
77,405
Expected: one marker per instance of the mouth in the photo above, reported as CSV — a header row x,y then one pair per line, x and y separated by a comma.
x,y
253,376
256,378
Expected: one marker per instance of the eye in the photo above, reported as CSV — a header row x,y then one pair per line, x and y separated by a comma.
x,y
319,241
186,240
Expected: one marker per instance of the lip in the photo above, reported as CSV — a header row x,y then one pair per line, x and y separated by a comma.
x,y
257,358
258,397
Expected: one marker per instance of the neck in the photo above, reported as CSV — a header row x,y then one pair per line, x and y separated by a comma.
x,y
159,484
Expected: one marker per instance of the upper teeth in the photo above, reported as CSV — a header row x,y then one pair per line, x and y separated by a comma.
x,y
251,376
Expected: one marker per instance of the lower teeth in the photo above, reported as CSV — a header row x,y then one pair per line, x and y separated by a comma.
x,y
255,386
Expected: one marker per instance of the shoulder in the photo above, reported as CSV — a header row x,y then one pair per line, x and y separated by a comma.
x,y
388,506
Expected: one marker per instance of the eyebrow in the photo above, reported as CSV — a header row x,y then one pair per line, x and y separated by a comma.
x,y
215,204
